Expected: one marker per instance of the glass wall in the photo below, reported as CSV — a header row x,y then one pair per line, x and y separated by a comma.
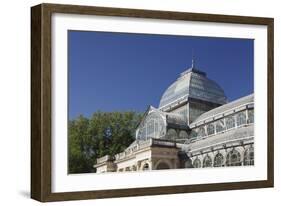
x,y
220,125
210,129
172,134
183,135
230,122
249,156
251,116
241,118
181,110
152,127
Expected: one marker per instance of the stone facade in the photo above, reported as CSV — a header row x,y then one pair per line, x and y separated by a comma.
x,y
143,155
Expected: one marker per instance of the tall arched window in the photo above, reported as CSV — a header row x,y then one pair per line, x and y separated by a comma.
x,y
233,158
172,134
197,163
230,122
210,129
249,156
152,127
218,160
241,118
207,162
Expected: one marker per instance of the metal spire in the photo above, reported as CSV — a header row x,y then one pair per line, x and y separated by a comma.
x,y
193,61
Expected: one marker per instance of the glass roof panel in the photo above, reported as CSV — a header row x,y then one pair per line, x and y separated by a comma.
x,y
193,83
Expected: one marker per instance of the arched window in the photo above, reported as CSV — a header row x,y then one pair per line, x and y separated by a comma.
x,y
241,118
172,134
249,156
197,163
134,168
220,126
233,158
152,127
207,162
210,129
230,122
201,131
145,166
218,160
183,134
162,166
251,116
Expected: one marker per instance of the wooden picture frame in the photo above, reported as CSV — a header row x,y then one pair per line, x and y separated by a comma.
x,y
41,98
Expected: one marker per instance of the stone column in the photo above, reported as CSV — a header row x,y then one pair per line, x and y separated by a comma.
x,y
138,165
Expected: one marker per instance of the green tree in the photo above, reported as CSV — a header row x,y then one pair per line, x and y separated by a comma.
x,y
78,154
104,133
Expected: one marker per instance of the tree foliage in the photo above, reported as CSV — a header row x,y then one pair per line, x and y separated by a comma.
x,y
104,133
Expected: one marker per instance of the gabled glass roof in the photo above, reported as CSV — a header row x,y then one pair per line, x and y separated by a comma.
x,y
193,83
247,100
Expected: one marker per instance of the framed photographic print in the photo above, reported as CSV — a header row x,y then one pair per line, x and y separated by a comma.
x,y
132,102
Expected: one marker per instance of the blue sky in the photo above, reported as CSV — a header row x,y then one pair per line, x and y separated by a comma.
x,y
128,72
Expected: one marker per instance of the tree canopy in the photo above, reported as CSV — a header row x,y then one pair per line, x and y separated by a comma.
x,y
104,133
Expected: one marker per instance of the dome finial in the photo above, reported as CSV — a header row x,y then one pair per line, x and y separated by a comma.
x,y
193,61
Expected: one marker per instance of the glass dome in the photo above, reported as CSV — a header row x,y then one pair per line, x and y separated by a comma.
x,y
193,84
